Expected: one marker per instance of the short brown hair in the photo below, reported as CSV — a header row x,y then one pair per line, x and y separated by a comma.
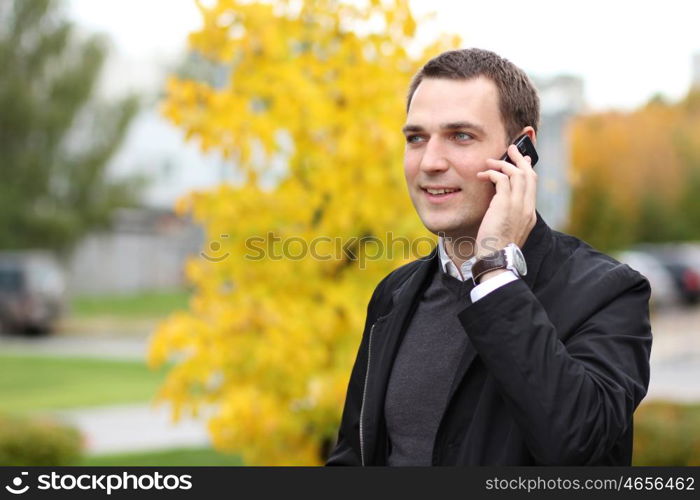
x,y
518,100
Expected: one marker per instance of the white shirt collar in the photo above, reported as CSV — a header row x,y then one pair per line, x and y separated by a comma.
x,y
449,267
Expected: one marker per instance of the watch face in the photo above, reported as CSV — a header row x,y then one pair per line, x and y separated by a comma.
x,y
519,262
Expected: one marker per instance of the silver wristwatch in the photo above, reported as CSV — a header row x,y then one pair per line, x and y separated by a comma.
x,y
510,258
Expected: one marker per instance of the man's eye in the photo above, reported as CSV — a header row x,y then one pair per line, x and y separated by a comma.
x,y
413,139
462,136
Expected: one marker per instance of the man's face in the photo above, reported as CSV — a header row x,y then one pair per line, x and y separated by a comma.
x,y
452,127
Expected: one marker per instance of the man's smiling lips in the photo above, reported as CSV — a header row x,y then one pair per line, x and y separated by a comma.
x,y
439,194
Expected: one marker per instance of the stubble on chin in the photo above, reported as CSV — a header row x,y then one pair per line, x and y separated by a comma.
x,y
453,222
458,225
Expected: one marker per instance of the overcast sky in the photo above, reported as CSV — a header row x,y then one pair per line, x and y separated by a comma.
x,y
625,51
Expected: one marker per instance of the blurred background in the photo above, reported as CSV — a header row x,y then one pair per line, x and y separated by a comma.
x,y
141,143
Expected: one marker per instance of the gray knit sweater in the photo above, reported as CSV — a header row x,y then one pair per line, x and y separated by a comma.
x,y
423,370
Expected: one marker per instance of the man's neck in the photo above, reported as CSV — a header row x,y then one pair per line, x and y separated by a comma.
x,y
459,248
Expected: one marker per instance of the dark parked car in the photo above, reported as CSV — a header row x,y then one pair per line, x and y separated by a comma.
x,y
664,292
687,280
682,261
32,289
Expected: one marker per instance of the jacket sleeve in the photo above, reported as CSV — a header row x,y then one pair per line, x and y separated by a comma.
x,y
347,448
572,399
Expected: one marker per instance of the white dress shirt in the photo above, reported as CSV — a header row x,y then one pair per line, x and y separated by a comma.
x,y
482,289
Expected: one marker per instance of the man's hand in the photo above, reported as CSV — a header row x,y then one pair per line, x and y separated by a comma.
x,y
511,214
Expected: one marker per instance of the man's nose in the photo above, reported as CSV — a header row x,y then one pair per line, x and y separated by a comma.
x,y
434,157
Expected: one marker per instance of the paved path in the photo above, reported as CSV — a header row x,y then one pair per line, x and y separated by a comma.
x,y
79,346
117,429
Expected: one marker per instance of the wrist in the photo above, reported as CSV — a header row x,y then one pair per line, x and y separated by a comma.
x,y
509,258
490,274
490,252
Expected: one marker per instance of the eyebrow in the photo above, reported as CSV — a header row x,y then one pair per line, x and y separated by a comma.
x,y
446,126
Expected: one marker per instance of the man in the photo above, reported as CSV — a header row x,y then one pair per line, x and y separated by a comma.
x,y
469,356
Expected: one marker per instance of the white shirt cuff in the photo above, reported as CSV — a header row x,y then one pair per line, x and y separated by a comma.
x,y
483,289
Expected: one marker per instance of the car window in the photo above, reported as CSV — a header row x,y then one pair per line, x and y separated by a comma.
x,y
11,280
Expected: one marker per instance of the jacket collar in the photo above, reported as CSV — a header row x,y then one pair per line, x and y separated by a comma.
x,y
536,247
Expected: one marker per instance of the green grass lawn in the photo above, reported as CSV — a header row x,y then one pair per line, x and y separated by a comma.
x,y
139,305
180,457
37,383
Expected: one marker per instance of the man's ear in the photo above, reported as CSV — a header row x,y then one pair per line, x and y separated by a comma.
x,y
531,132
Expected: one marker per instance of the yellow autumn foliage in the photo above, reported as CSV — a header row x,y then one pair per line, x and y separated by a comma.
x,y
318,87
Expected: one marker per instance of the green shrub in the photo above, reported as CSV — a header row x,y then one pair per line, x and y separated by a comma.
x,y
667,434
37,441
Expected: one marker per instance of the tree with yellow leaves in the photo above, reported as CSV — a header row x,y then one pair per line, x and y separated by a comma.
x,y
310,114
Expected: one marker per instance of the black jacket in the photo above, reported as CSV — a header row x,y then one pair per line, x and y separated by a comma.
x,y
555,364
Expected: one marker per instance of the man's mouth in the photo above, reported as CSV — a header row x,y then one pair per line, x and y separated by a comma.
x,y
440,193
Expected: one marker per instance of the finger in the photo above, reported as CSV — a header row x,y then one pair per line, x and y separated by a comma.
x,y
517,176
501,180
504,166
524,162
515,155
501,164
519,161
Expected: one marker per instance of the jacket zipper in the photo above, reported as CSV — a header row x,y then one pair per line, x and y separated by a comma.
x,y
364,395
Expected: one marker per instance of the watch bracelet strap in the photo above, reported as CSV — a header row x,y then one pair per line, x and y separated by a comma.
x,y
491,262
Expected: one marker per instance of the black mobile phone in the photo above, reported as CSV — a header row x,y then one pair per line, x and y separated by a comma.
x,y
526,148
